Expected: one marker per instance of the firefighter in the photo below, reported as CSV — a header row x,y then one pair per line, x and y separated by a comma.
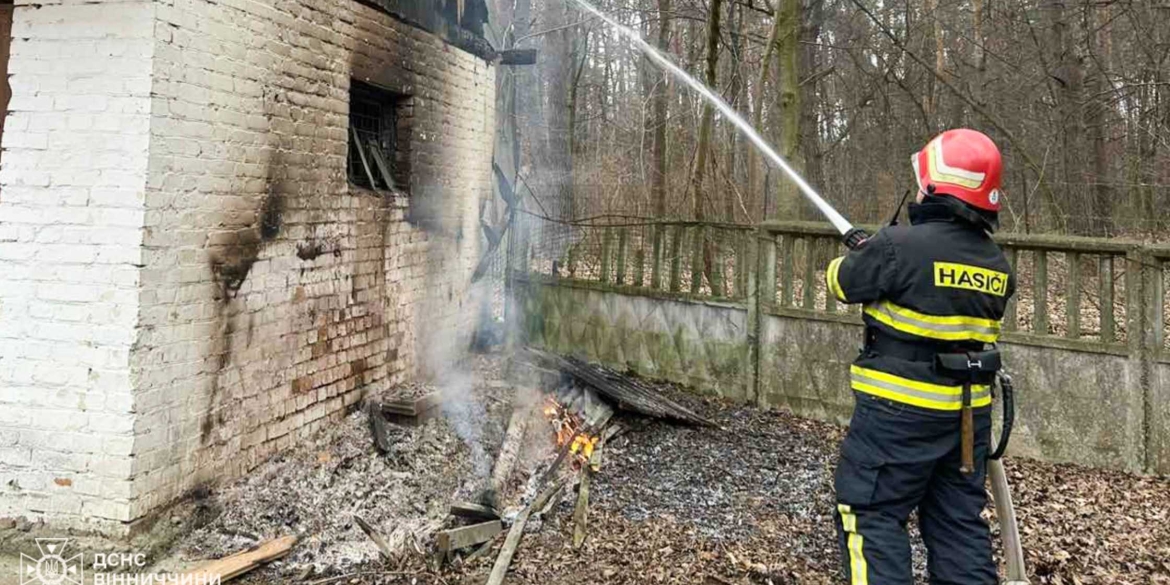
x,y
933,293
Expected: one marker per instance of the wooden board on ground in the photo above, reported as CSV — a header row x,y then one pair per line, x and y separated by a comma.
x,y
240,563
581,512
516,532
513,440
627,392
474,511
457,538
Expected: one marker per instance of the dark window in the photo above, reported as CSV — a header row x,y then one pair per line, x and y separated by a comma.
x,y
378,134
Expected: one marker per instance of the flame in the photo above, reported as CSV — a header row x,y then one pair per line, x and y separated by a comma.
x,y
583,446
567,427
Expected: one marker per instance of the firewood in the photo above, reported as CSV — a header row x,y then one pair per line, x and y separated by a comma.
x,y
564,454
581,513
473,511
516,532
457,538
550,501
375,536
513,439
240,563
479,552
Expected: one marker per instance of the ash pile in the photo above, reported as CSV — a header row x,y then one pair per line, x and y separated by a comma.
x,y
418,481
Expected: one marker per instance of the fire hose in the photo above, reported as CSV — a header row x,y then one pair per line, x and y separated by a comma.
x,y
852,236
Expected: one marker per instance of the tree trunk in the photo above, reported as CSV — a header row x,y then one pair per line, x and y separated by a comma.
x,y
735,71
1097,120
754,188
1068,77
810,65
788,201
558,143
658,149
702,246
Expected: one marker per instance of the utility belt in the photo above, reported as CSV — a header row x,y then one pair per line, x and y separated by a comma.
x,y
974,367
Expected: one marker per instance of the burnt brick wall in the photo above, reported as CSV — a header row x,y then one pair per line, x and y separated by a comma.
x,y
273,293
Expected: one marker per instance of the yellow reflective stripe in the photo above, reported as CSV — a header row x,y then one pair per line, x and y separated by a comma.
x,y
941,327
944,319
832,281
915,392
941,172
858,567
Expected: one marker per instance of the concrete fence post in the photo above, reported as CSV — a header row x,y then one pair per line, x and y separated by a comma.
x,y
752,301
1152,296
1143,316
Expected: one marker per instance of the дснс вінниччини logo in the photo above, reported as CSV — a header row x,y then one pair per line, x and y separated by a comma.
x,y
52,568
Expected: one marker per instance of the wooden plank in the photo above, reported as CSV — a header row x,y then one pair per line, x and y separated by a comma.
x,y
1105,275
463,537
1009,314
1040,292
474,511
380,163
581,512
1072,306
516,532
240,563
513,439
356,141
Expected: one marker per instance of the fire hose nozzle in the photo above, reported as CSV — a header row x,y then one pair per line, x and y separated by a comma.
x,y
855,238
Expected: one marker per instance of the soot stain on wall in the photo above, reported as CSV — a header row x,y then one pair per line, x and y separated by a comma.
x,y
232,254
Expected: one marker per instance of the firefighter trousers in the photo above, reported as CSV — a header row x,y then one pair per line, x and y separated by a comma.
x,y
898,458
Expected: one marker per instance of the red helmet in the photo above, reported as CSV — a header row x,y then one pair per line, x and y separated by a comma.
x,y
964,164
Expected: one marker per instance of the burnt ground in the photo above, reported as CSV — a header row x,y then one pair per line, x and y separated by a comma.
x,y
748,503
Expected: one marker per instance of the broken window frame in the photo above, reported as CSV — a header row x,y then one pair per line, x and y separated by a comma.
x,y
376,157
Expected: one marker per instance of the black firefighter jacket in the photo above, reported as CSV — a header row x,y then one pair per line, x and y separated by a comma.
x,y
938,285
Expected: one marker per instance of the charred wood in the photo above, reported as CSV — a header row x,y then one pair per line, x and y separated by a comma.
x,y
457,538
513,439
473,511
627,392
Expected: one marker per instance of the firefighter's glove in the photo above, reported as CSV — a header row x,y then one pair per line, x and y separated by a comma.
x,y
855,238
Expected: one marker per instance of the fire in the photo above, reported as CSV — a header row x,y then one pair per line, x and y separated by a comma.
x,y
567,427
583,445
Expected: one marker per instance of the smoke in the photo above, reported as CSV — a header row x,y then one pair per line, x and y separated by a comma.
x,y
444,317
466,416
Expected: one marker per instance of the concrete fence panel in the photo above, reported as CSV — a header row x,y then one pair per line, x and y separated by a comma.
x,y
1084,338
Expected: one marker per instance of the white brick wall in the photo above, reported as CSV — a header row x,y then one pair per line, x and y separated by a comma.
x,y
127,201
72,187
